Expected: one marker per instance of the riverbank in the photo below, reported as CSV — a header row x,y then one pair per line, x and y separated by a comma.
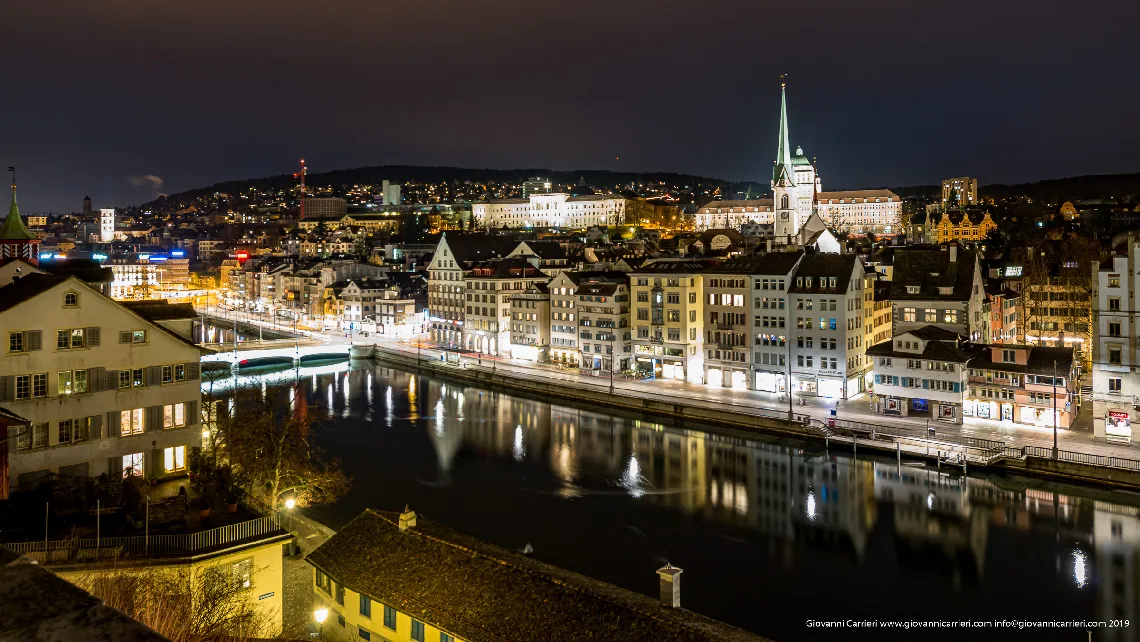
x,y
897,440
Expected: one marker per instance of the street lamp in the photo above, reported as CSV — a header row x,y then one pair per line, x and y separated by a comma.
x,y
320,615
289,504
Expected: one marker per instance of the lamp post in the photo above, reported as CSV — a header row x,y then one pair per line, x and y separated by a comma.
x,y
1054,409
289,505
320,615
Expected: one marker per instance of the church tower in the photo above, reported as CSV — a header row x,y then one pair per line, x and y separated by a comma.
x,y
15,239
783,179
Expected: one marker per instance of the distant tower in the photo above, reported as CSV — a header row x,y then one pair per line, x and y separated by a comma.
x,y
106,225
86,207
302,173
783,179
15,239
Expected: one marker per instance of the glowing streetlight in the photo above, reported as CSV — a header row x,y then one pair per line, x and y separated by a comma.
x,y
290,503
320,615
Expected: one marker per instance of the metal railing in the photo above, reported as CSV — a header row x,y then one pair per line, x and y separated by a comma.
x,y
72,550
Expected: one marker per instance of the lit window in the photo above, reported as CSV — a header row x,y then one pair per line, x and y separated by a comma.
x,y
174,458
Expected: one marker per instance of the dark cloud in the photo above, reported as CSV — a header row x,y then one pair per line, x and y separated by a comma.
x,y
882,92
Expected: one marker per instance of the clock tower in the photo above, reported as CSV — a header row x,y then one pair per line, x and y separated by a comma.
x,y
783,180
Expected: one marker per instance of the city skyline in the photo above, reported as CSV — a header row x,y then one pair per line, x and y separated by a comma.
x,y
124,101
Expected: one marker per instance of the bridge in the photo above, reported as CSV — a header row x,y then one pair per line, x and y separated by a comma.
x,y
296,349
221,329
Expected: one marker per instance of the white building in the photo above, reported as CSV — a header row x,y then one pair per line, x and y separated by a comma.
x,y
828,315
455,254
875,211
551,210
391,193
1116,386
129,403
603,325
922,370
488,287
734,214
106,225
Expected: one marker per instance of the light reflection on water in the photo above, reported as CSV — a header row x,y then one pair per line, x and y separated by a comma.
x,y
750,520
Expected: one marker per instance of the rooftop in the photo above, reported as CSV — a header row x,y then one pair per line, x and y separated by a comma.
x,y
482,592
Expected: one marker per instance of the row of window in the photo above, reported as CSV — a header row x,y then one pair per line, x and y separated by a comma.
x,y
389,618
929,315
925,384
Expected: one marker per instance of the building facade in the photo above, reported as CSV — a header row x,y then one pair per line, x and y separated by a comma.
x,y
1115,347
551,210
530,324
668,340
921,372
861,211
127,405
446,295
959,192
940,286
488,287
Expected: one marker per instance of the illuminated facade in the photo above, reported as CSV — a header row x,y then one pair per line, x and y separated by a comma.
x,y
959,192
668,340
551,210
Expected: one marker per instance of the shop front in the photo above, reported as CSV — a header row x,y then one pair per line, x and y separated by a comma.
x,y
948,412
829,387
770,382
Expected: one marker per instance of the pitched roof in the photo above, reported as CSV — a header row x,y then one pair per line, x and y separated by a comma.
x,y
482,592
477,247
160,310
930,268
770,263
840,266
858,195
13,229
941,345
673,266
26,288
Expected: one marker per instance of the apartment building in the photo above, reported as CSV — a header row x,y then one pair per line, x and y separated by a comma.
x,y
1023,384
1003,312
940,286
446,296
668,341
921,372
1115,383
961,191
827,321
359,301
487,290
882,313
530,324
556,210
565,342
745,319
604,333
127,405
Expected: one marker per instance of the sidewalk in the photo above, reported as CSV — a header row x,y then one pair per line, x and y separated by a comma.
x,y
752,402
297,579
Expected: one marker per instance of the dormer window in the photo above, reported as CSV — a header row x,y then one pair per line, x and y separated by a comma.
x,y
70,299
913,289
1009,356
945,290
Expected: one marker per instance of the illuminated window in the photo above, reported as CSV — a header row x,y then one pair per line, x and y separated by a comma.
x,y
174,459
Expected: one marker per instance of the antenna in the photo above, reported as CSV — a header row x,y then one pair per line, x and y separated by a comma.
x,y
304,170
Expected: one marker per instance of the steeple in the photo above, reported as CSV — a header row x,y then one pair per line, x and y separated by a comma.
x,y
13,229
782,172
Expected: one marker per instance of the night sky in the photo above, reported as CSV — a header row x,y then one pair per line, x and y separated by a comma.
x,y
97,96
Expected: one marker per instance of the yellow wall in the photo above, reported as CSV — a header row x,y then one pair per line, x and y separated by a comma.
x,y
350,611
267,574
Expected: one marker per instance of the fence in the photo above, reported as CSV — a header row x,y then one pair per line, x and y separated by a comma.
x,y
1084,458
73,550
971,442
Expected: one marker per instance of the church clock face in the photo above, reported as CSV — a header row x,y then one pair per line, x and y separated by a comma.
x,y
783,216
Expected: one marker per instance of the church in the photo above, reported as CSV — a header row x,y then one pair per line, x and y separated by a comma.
x,y
797,198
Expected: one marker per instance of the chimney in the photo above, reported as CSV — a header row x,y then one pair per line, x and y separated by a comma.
x,y
670,586
407,519
953,252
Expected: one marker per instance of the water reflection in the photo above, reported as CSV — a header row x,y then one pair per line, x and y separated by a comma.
x,y
894,536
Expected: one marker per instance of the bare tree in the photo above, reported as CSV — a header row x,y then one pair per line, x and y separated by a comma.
x,y
185,605
270,446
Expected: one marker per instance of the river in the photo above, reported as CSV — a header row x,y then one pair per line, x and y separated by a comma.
x,y
770,533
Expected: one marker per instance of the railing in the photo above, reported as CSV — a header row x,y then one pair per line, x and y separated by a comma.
x,y
972,442
71,550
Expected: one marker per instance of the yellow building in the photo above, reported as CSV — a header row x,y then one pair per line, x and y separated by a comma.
x,y
249,552
396,577
960,226
668,319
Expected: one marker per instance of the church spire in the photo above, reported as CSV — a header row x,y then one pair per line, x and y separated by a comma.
x,y
782,172
13,228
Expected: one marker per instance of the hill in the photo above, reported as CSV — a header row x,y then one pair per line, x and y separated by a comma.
x,y
428,174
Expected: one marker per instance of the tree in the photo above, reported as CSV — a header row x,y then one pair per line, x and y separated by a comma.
x,y
270,444
185,605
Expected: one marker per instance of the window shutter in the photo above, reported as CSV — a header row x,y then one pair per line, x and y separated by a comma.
x,y
96,425
7,388
115,467
96,379
925,384
114,425
154,376
112,380
193,371
35,339
192,416
153,418
92,336
125,336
